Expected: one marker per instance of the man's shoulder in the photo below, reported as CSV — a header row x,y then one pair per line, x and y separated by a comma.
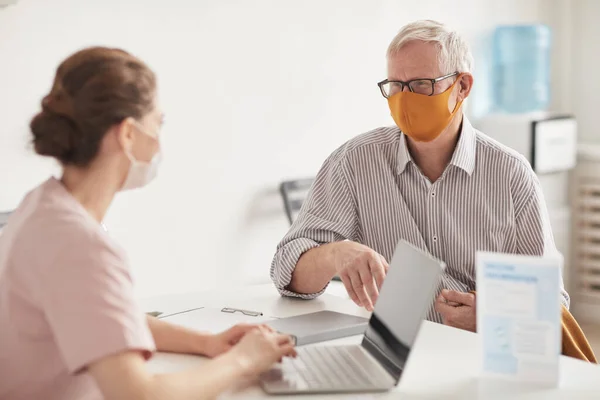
x,y
371,143
510,164
494,151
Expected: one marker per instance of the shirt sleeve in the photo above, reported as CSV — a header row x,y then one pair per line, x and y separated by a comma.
x,y
532,222
328,215
87,297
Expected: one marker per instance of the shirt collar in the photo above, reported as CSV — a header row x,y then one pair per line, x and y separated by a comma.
x,y
465,151
463,156
404,156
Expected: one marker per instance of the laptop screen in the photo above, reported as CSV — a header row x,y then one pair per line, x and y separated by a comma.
x,y
406,295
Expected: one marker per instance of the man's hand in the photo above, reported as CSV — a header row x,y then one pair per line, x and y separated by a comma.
x,y
362,271
220,343
457,309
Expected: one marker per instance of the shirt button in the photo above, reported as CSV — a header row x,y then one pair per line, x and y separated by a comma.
x,y
432,194
435,238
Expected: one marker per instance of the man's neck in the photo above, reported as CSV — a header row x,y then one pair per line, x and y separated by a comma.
x,y
433,157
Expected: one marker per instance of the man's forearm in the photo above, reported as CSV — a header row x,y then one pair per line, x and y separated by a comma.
x,y
315,268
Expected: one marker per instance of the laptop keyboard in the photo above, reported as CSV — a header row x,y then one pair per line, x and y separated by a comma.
x,y
331,367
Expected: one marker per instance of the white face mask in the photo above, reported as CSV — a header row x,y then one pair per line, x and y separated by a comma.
x,y
141,173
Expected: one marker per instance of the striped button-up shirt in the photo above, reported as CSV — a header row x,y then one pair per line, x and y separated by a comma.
x,y
371,191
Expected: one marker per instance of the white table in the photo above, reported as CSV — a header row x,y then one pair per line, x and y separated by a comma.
x,y
444,362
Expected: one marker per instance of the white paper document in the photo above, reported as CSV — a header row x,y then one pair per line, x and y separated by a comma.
x,y
518,316
213,320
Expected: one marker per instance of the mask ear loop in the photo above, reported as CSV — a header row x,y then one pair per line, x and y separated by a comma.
x,y
143,130
458,103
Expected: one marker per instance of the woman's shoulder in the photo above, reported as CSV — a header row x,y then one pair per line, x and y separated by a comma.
x,y
49,224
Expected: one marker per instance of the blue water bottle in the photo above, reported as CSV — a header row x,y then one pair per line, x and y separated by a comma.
x,y
521,68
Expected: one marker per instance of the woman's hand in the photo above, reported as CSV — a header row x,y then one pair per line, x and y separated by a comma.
x,y
260,348
218,344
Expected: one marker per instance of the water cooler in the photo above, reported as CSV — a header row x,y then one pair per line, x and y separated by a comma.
x,y
549,142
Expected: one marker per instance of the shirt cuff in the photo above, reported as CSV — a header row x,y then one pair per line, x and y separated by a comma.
x,y
565,299
284,264
136,341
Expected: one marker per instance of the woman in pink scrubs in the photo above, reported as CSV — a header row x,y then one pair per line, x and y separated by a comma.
x,y
70,327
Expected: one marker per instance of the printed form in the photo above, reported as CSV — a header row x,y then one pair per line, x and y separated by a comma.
x,y
518,316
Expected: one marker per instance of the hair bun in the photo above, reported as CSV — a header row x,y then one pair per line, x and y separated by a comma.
x,y
59,102
54,135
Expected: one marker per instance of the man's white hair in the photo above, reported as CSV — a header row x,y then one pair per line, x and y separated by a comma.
x,y
454,53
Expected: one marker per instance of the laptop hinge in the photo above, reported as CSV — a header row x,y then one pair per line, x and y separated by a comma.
x,y
393,369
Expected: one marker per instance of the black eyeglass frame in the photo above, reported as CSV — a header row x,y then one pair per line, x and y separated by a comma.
x,y
408,83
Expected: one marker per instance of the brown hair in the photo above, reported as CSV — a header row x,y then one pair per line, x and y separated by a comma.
x,y
93,90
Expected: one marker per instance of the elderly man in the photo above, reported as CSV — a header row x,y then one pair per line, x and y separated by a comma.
x,y
432,180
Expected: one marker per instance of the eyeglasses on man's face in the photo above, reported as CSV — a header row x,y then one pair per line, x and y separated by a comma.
x,y
422,86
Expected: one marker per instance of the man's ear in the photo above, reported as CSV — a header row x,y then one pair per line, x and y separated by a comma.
x,y
464,86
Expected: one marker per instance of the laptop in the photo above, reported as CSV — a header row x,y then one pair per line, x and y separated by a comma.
x,y
377,363
319,326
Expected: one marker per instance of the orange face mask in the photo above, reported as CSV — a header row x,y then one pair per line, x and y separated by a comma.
x,y
422,118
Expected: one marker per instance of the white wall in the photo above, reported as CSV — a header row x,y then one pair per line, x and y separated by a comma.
x,y
558,14
254,91
585,79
